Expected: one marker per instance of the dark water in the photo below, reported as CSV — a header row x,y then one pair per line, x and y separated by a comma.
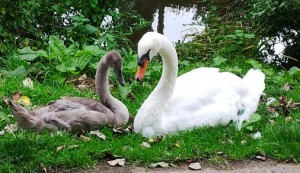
x,y
176,19
180,20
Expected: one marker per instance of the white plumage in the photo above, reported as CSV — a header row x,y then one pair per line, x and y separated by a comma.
x,y
203,96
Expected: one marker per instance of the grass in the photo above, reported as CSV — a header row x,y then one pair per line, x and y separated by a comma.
x,y
27,151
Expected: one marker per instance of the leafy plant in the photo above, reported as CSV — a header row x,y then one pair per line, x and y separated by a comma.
x,y
65,61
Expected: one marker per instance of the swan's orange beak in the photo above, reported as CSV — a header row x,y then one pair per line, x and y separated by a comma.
x,y
140,73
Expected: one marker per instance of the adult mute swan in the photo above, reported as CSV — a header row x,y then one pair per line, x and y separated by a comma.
x,y
201,97
77,113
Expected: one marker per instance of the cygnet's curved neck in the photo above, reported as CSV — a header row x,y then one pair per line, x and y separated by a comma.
x,y
101,80
102,89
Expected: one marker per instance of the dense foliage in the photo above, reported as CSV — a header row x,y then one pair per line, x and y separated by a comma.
x,y
53,32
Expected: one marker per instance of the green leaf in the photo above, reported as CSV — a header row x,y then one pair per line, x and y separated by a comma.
x,y
184,62
125,91
253,118
91,29
239,33
57,46
81,59
249,128
19,72
26,50
231,36
218,60
64,68
93,3
95,50
249,35
255,64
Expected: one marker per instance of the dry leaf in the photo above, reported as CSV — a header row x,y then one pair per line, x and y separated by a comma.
x,y
120,130
219,153
60,147
270,101
286,87
157,139
43,169
288,119
116,162
177,144
256,135
28,83
2,132
11,128
159,164
84,138
173,165
263,158
271,109
243,142
195,166
17,96
98,134
24,100
74,146
145,145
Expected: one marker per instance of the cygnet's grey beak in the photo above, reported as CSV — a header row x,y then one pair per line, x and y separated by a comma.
x,y
120,77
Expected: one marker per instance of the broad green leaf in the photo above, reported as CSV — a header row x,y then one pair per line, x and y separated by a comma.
x,y
255,64
93,3
20,72
64,68
28,57
184,62
234,69
293,70
156,68
249,128
218,60
57,46
125,91
91,29
239,33
95,50
26,50
81,61
94,65
231,36
253,118
71,49
80,19
249,35
42,53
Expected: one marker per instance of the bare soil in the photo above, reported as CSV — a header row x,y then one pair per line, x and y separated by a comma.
x,y
248,166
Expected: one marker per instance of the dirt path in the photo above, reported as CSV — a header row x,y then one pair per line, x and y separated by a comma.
x,y
251,166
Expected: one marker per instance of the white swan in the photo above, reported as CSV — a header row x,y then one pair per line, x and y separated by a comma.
x,y
204,96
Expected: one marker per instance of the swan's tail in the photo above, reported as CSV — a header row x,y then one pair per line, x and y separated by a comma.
x,y
24,117
254,80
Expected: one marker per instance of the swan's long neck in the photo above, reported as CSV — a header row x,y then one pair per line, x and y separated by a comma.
x,y
166,84
151,112
102,88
